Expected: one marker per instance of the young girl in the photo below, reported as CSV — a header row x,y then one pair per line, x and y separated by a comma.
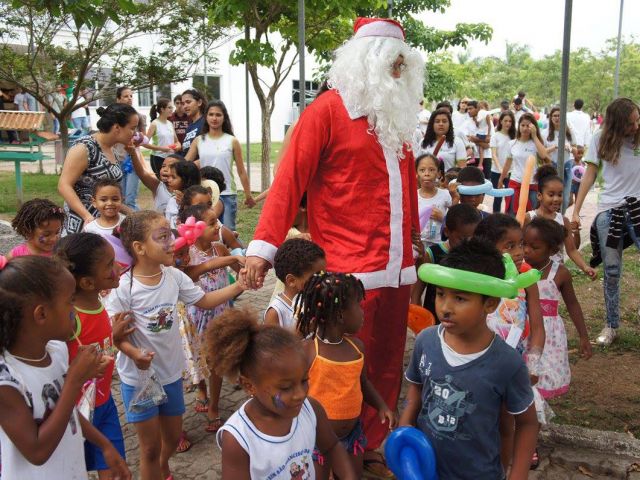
x,y
150,292
181,176
158,186
217,257
273,434
39,221
217,146
550,200
500,147
528,142
162,134
430,196
91,260
41,434
107,199
542,239
329,311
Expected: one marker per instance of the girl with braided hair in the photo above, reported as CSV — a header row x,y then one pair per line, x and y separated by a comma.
x,y
329,314
39,221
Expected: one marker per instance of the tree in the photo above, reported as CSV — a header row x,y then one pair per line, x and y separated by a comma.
x,y
273,38
58,49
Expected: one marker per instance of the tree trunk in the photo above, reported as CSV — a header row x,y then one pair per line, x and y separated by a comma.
x,y
266,148
64,134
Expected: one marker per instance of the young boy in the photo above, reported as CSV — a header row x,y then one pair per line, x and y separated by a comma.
x,y
107,199
470,177
459,414
295,261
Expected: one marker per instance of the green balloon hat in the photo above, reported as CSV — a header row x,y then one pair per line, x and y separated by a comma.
x,y
478,282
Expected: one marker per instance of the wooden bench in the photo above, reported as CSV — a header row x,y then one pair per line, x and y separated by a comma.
x,y
23,122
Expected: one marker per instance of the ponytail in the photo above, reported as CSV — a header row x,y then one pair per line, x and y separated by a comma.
x,y
157,107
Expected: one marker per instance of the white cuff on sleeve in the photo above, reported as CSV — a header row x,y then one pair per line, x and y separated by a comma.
x,y
262,249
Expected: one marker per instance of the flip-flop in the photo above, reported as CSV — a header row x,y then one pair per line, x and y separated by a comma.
x,y
183,443
377,468
202,405
214,425
535,460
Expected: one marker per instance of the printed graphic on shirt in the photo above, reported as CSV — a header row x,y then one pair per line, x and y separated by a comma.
x,y
50,396
299,464
446,406
162,320
5,376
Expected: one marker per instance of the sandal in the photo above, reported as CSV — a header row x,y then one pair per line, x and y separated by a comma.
x,y
535,460
377,467
183,443
191,388
202,405
214,425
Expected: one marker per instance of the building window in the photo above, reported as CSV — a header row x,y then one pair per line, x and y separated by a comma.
x,y
145,97
212,90
311,88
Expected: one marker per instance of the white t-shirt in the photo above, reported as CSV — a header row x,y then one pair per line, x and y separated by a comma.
x,y
580,124
501,142
162,198
275,458
554,142
431,233
163,137
41,388
171,212
459,119
482,128
517,114
284,311
620,180
449,154
95,227
155,321
218,152
519,153
79,112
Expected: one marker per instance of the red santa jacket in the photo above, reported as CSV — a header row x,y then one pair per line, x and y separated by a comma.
x,y
361,203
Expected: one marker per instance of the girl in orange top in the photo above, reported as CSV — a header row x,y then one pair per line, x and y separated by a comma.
x,y
329,313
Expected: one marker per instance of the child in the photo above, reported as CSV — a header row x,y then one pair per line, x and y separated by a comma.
x,y
577,171
158,186
107,199
471,177
295,261
41,434
330,312
542,239
212,174
460,224
91,260
206,249
429,195
39,221
550,202
181,176
149,291
273,434
458,413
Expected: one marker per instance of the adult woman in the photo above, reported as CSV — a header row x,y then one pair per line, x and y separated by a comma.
x,y
452,150
615,149
500,146
162,134
130,181
551,138
93,158
528,142
217,147
194,104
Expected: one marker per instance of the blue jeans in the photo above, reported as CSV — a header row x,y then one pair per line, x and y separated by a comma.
x,y
612,265
230,203
130,183
497,201
56,125
78,123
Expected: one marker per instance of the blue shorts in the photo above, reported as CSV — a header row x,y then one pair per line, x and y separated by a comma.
x,y
173,408
105,419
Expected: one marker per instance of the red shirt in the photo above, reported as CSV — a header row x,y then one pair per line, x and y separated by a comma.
x,y
180,125
94,327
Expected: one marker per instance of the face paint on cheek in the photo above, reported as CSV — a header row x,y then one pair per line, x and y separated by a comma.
x,y
178,262
41,239
163,237
277,401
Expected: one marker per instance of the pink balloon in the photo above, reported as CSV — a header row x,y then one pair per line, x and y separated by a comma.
x,y
189,235
180,242
182,229
190,221
424,216
200,225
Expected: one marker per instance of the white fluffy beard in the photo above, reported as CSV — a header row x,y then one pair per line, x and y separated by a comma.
x,y
361,73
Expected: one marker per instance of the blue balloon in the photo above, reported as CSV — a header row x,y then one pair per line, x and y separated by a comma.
x,y
475,189
410,455
501,192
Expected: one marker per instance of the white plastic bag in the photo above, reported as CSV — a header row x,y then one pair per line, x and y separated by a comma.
x,y
87,403
149,392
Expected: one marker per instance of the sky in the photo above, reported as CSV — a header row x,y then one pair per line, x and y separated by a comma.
x,y
539,23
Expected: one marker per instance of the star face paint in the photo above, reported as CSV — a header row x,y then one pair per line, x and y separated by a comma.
x,y
163,237
277,401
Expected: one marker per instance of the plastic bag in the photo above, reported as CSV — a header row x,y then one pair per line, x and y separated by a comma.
x,y
149,392
87,402
543,410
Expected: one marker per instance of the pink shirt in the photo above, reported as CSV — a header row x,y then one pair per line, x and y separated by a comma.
x,y
22,250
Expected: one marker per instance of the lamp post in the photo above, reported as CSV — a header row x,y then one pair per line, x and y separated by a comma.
x,y
564,87
616,80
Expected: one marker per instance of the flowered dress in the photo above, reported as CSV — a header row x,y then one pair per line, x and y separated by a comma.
x,y
196,370
556,376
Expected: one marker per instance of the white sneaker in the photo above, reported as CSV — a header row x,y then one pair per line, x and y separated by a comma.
x,y
606,337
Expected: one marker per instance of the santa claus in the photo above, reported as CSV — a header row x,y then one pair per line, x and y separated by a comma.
x,y
350,152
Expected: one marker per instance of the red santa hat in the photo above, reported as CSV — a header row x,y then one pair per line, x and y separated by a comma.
x,y
378,27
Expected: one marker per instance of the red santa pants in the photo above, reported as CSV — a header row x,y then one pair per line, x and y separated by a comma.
x,y
384,334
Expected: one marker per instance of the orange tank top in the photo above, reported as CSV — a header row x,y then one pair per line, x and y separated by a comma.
x,y
336,385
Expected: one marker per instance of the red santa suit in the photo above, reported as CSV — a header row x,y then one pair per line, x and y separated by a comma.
x,y
361,206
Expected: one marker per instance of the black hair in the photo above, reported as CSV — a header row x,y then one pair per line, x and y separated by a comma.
x,y
476,255
517,101
135,228
544,175
192,191
505,105
552,127
578,104
436,161
460,103
177,98
472,103
121,89
188,172
239,345
197,96
114,114
177,156
323,299
296,256
25,280
430,134
33,213
106,182
215,174
471,174
161,104
446,105
512,128
461,214
226,122
80,252
551,232
197,211
521,94
494,227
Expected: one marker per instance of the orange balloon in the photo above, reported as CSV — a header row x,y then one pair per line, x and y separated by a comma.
x,y
524,189
419,318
